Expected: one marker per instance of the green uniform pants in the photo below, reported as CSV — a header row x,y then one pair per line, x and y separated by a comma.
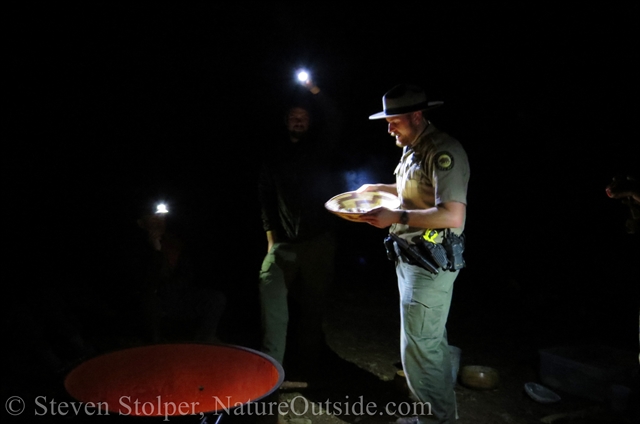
x,y
425,299
295,272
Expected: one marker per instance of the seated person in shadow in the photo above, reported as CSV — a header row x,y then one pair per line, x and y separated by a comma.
x,y
44,336
166,298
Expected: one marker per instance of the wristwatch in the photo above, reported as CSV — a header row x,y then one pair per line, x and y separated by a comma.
x,y
404,218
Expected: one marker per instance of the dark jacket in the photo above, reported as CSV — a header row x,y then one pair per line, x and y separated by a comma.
x,y
296,180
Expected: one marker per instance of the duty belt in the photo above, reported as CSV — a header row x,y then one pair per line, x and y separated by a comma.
x,y
424,252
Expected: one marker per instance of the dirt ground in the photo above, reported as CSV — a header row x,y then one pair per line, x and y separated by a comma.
x,y
362,328
503,329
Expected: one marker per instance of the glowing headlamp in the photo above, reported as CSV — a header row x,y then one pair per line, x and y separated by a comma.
x,y
303,76
161,208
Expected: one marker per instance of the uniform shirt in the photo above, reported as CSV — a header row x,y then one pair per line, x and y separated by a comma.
x,y
433,171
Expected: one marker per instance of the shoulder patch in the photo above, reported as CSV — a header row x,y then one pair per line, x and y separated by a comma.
x,y
444,161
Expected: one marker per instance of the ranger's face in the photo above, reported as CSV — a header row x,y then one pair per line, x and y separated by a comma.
x,y
404,128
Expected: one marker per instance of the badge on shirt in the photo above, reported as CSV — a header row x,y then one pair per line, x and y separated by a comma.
x,y
444,161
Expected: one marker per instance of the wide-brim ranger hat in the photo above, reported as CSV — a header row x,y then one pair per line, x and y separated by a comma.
x,y
405,98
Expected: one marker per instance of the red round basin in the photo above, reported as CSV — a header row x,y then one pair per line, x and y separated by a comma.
x,y
174,379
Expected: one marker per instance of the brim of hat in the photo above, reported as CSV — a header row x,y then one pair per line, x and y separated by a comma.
x,y
383,114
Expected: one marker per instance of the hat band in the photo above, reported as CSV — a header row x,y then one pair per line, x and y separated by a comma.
x,y
406,109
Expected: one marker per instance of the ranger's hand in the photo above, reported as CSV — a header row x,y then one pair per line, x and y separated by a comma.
x,y
367,187
380,217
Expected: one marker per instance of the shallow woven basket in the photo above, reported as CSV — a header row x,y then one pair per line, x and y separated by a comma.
x,y
351,205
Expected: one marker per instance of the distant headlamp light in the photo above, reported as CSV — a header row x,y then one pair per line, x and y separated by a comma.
x,y
161,208
303,76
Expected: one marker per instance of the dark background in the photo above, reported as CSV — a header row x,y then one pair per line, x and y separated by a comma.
x,y
107,100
